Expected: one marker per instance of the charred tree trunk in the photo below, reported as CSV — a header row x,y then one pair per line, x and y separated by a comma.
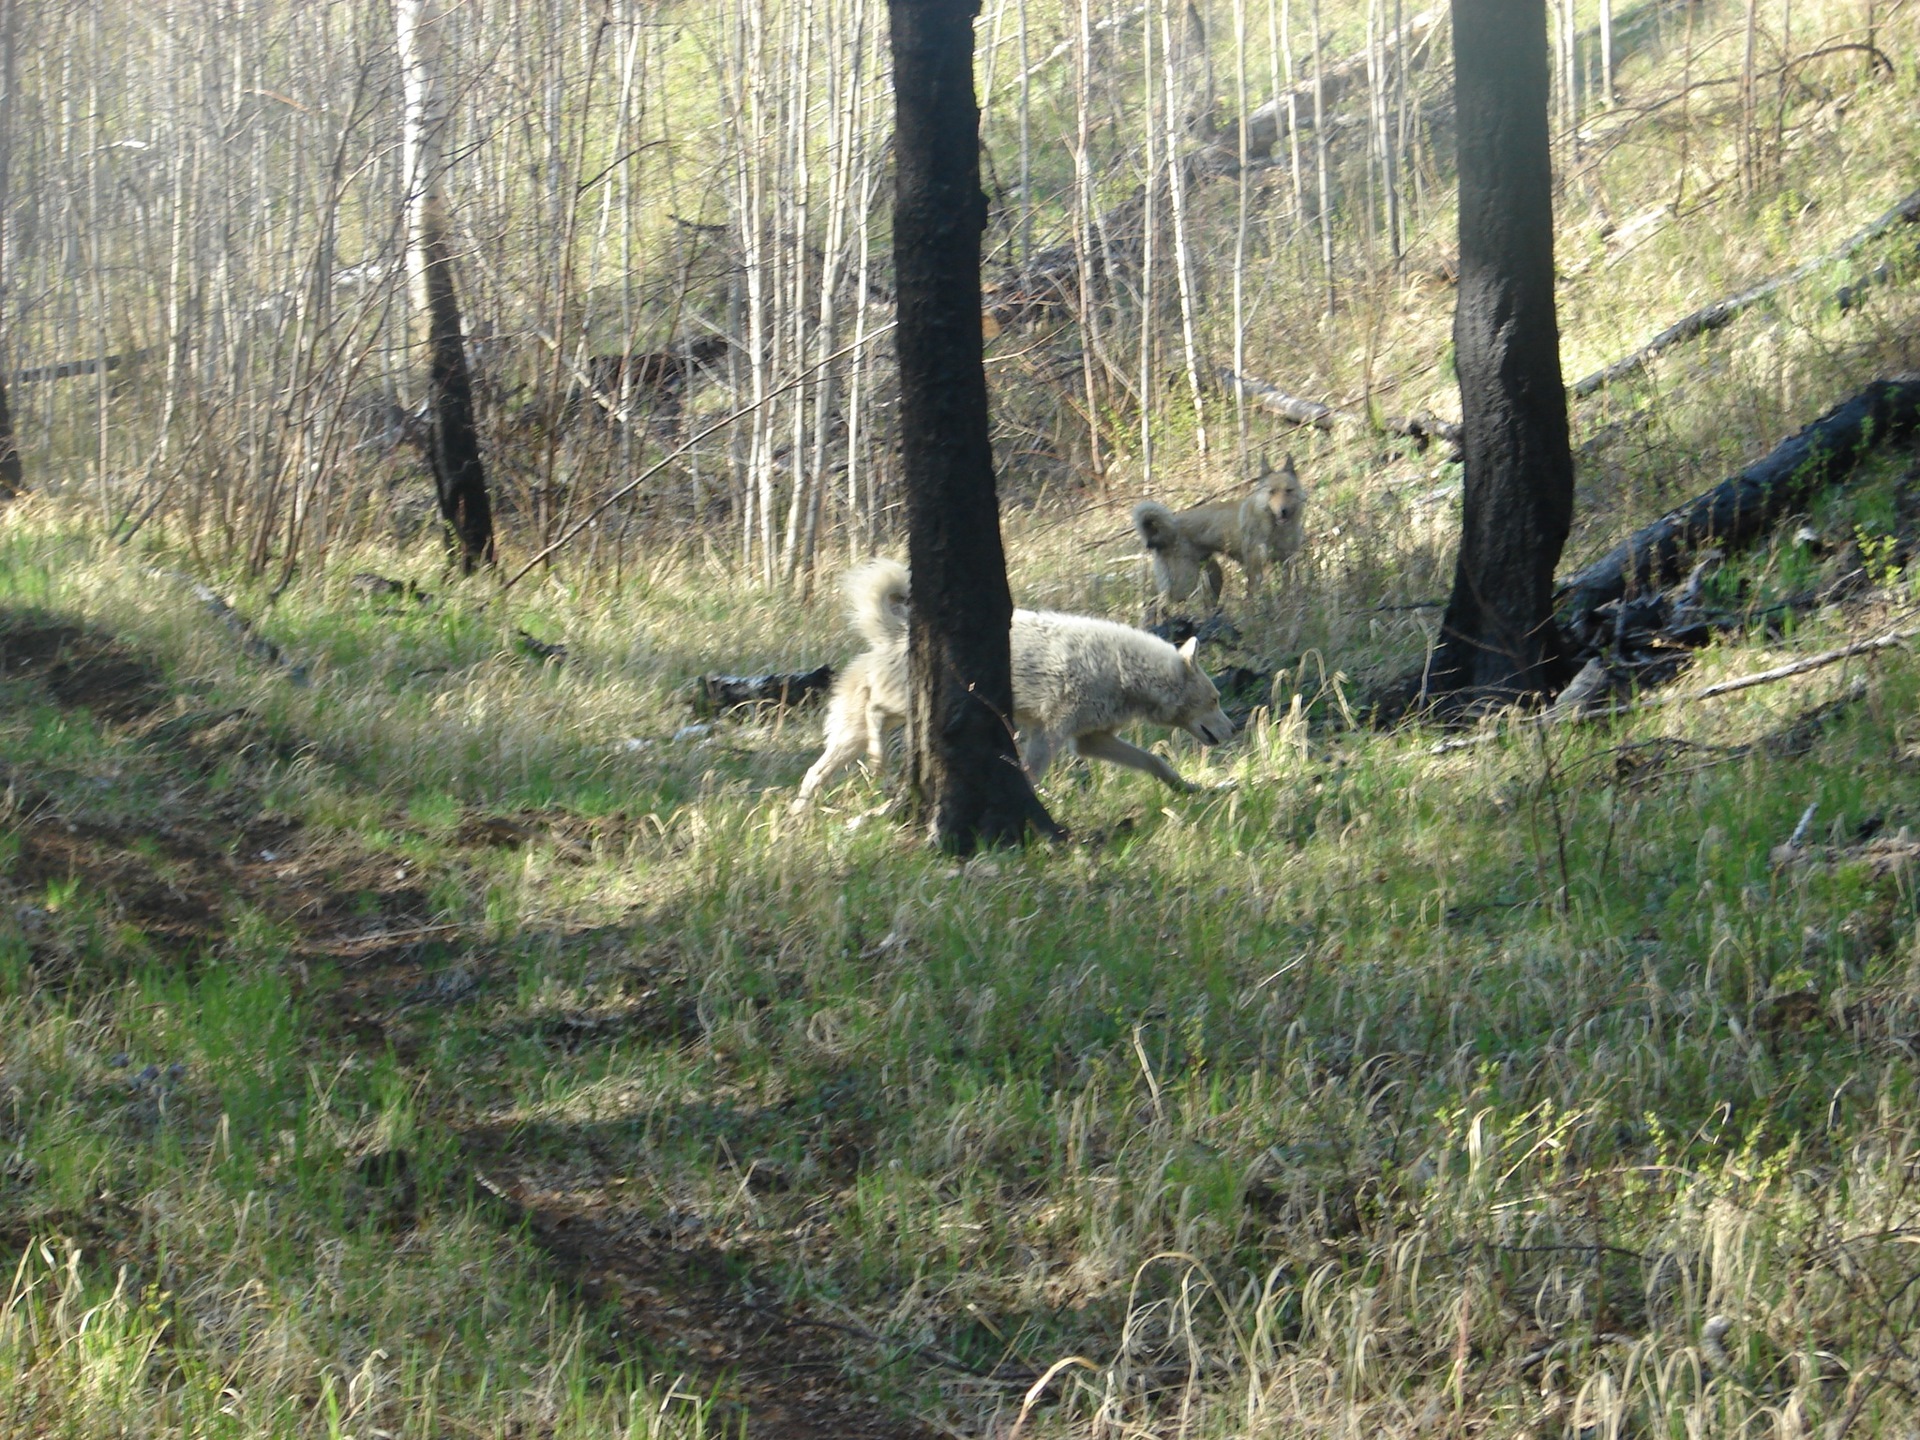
x,y
1498,640
460,481
12,478
967,780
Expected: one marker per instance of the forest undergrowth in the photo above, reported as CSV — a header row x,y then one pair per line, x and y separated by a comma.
x,y
438,1025
469,1038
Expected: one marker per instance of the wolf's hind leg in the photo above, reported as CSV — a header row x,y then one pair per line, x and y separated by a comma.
x,y
1213,584
842,750
878,718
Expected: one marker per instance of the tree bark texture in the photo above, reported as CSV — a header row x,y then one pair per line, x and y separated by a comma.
x,y
459,478
12,476
460,481
966,776
1498,640
1745,505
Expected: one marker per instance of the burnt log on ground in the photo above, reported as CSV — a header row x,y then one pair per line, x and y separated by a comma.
x,y
1743,507
1422,427
256,646
1712,317
719,694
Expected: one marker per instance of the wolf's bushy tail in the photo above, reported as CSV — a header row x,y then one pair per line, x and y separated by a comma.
x,y
877,601
1154,521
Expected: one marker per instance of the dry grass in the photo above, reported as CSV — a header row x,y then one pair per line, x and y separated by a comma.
x,y
1514,1091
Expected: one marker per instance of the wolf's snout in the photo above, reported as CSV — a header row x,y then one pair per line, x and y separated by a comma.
x,y
1214,729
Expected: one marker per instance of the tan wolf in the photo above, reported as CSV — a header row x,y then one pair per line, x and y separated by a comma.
x,y
1076,680
1264,528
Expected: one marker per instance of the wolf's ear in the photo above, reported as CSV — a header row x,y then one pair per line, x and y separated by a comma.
x,y
1287,468
1190,649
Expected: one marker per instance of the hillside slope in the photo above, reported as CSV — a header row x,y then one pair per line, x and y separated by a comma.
x,y
456,1034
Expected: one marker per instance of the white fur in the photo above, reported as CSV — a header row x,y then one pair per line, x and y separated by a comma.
x,y
1076,680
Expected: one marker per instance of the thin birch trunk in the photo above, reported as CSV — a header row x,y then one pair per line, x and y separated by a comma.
x,y
1320,164
1749,112
1186,288
1240,233
1283,75
1026,138
1370,227
1606,53
1147,316
12,478
1084,209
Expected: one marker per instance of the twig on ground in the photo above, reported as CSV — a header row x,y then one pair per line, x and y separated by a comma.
x,y
1709,692
251,640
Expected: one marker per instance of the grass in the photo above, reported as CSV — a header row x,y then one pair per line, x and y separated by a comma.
x,y
1385,1091
448,1045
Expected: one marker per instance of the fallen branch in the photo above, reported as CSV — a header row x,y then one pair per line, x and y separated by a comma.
x,y
1267,124
251,640
1747,504
1712,317
66,369
1551,719
1420,427
718,694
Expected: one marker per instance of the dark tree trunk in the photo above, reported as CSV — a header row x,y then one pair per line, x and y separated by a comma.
x,y
454,449
1498,640
967,780
12,478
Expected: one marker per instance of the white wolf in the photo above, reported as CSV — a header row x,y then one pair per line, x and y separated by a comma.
x,y
1263,529
1076,680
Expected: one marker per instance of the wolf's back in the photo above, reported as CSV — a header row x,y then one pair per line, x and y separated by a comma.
x,y
877,601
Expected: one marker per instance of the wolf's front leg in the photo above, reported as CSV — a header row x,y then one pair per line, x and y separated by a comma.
x,y
1036,752
1104,745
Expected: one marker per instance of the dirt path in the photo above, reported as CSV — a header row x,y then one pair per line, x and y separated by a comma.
x,y
177,880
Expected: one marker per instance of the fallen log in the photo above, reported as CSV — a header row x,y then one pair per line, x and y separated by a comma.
x,y
1267,125
67,369
1548,719
1422,427
252,642
1712,317
1277,402
1747,504
717,694
1047,283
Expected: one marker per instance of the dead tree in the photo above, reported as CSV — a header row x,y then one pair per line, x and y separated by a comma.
x,y
12,479
1747,504
967,780
453,450
1498,640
